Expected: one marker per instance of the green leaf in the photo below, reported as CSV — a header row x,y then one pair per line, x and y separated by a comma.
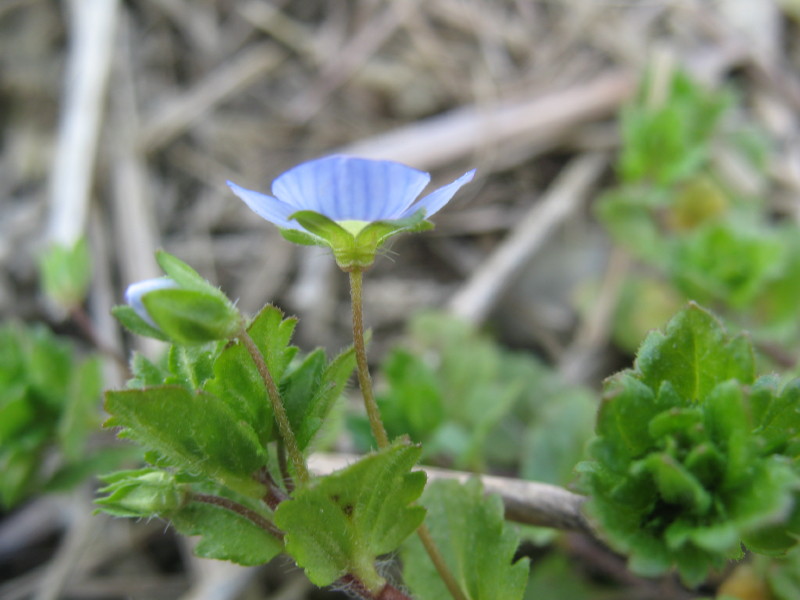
x,y
192,317
196,431
226,535
66,273
341,523
684,467
694,355
185,276
727,262
135,324
477,544
237,380
81,407
413,402
310,390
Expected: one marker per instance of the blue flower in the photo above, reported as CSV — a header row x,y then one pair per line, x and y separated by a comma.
x,y
136,291
352,205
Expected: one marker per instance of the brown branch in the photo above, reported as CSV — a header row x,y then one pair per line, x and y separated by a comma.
x,y
527,502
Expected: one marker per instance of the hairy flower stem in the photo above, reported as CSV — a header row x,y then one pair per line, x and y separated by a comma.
x,y
233,506
284,427
378,430
438,561
364,380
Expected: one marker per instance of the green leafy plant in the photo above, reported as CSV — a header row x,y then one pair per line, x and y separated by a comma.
x,y
695,456
437,383
49,401
677,212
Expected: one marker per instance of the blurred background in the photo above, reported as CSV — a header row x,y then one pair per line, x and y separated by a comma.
x,y
630,155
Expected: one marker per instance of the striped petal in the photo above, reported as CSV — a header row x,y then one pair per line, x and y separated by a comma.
x,y
266,207
348,188
437,199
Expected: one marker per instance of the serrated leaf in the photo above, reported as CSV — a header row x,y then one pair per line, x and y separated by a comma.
x,y
237,380
196,431
311,389
694,355
477,544
342,522
226,535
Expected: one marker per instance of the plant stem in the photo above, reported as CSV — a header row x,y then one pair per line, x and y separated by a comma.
x,y
240,510
438,561
379,431
284,427
364,380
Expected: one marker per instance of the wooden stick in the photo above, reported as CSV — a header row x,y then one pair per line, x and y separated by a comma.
x,y
475,300
527,502
92,26
455,135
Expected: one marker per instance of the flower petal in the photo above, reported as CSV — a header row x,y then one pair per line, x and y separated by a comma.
x,y
349,188
266,207
135,292
434,201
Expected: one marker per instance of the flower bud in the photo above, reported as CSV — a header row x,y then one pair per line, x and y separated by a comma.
x,y
142,493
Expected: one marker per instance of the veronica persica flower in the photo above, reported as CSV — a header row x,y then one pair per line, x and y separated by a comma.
x,y
182,307
134,295
351,205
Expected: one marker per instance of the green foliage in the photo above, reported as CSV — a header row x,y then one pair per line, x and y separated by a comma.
x,y
694,456
66,273
341,523
471,402
676,211
226,534
192,312
142,493
665,140
48,406
197,432
478,546
354,243
204,419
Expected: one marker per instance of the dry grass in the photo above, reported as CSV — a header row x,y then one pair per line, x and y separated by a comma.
x,y
131,142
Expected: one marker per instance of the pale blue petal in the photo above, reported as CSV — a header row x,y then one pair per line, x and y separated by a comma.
x,y
136,291
434,201
267,207
349,188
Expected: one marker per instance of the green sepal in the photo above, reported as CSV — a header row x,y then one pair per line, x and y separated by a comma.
x,y
302,238
477,545
66,273
377,233
141,493
185,276
188,316
131,321
354,247
341,523
226,535
195,431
